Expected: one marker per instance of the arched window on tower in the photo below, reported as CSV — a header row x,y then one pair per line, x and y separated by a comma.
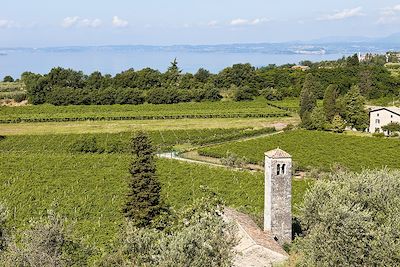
x,y
278,169
283,168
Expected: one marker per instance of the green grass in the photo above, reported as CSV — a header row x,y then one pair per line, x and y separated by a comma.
x,y
120,142
223,109
312,149
89,189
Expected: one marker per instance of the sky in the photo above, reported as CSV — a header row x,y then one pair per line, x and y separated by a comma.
x,y
46,23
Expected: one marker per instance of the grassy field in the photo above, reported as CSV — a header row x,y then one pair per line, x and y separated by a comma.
x,y
311,149
146,125
223,109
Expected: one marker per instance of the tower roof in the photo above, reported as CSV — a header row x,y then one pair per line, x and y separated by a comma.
x,y
277,154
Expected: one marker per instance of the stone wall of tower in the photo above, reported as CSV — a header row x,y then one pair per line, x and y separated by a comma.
x,y
278,196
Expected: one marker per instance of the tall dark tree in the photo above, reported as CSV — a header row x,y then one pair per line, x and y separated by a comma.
x,y
308,100
330,96
143,201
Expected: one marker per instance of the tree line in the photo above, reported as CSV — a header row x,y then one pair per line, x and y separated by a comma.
x,y
240,82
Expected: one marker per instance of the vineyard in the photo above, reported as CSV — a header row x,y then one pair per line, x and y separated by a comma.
x,y
89,189
225,109
322,150
119,142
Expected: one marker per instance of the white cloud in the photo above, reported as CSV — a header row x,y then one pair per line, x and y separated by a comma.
x,y
389,15
90,23
246,22
69,22
5,24
118,22
344,14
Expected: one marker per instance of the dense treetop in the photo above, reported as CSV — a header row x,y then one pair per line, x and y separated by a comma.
x,y
240,81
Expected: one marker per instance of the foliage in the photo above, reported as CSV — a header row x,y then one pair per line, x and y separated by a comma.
x,y
244,93
200,238
233,160
317,120
353,110
329,103
272,94
46,243
8,79
143,202
338,124
392,127
352,220
317,149
308,99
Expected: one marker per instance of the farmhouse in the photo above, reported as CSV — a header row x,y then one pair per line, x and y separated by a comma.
x,y
381,116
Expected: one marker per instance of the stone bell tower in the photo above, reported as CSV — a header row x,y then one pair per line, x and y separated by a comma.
x,y
278,195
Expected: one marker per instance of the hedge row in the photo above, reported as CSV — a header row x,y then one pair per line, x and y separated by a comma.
x,y
116,118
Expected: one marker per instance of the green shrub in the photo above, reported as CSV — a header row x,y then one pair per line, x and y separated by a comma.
x,y
379,135
352,220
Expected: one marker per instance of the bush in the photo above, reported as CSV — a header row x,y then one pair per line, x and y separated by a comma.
x,y
352,220
244,93
199,237
233,160
272,94
288,127
46,244
379,135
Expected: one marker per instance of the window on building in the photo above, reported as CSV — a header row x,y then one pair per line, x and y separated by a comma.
x,y
391,116
283,168
278,169
377,121
377,114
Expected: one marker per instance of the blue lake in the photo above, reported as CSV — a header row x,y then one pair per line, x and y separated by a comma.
x,y
112,62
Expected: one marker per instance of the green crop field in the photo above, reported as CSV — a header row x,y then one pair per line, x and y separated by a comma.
x,y
312,149
290,104
119,142
89,189
223,109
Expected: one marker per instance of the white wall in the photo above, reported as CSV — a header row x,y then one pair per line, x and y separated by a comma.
x,y
378,119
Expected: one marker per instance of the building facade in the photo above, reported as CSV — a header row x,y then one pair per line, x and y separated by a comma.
x,y
382,116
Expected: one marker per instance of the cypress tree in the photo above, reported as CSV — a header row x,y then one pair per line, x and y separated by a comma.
x,y
143,201
308,100
330,96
